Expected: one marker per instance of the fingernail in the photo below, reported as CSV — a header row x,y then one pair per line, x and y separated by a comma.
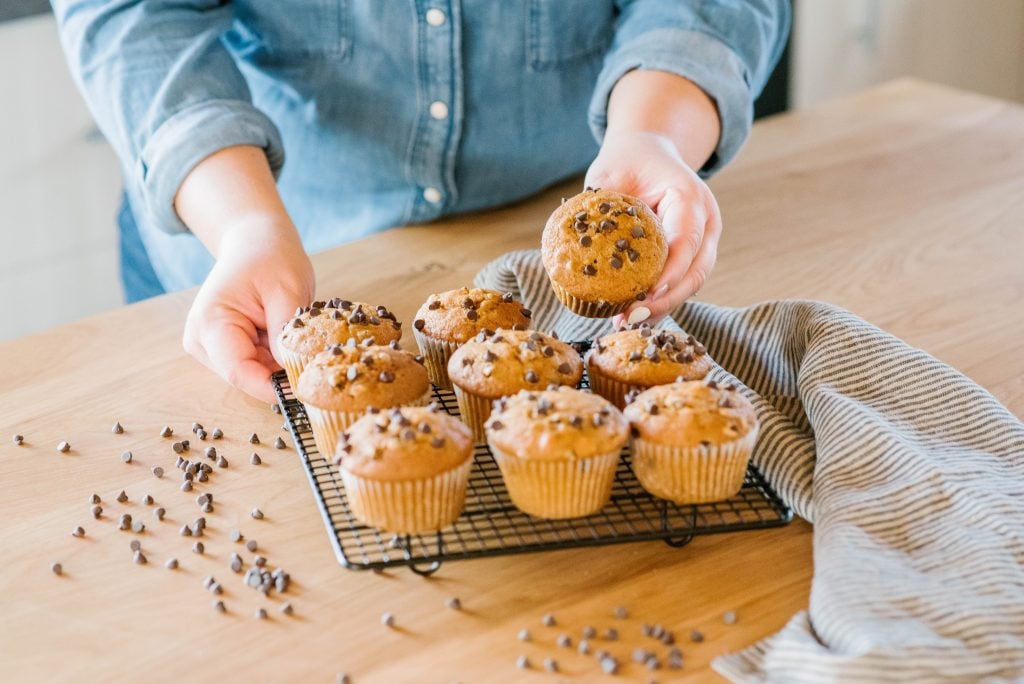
x,y
659,291
638,315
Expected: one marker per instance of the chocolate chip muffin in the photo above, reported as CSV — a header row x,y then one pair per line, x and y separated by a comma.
x,y
643,357
603,250
491,366
406,469
316,327
557,450
341,383
692,440
448,319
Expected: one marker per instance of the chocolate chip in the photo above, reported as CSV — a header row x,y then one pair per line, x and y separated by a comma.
x,y
217,433
496,425
604,207
524,635
523,663
18,439
186,486
548,620
454,603
615,262
96,511
63,447
147,500
198,547
171,564
437,442
635,356
531,376
507,298
78,532
166,432
159,513
580,216
387,619
712,384
526,313
651,352
135,545
633,255
185,531
219,606
609,665
138,527
386,377
641,297
472,315
631,210
251,545
589,270
576,421
419,324
550,665
729,617
117,429
279,443
583,647
586,241
158,471
607,225
178,448
255,459
222,462
257,514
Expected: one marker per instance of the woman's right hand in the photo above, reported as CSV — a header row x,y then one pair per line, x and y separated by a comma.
x,y
230,202
262,274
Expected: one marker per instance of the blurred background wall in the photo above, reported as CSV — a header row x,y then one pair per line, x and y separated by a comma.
x,y
59,182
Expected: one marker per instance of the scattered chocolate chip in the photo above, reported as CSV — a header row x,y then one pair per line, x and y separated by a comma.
x,y
564,640
138,527
609,665
286,609
178,447
255,459
257,514
523,663
386,377
251,545
550,665
472,314
198,547
219,606
19,439
604,207
548,620
507,297
729,617
126,457
387,619
63,447
633,255
279,443
185,531
96,511
222,462
524,635
454,603
135,545
166,432
78,532
57,569
171,564
159,513
261,614
139,558
186,486
611,634
583,647
607,225
122,497
158,471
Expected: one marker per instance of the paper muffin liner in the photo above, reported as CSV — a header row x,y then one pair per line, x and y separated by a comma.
x,y
588,309
435,357
328,425
293,363
475,410
612,390
568,488
692,475
408,506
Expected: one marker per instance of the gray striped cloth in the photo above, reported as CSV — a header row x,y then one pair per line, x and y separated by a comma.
x,y
912,474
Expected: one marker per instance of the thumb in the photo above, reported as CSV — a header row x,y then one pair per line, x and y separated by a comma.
x,y
279,308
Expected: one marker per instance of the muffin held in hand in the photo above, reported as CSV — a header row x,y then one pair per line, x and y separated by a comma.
x,y
406,470
323,324
448,319
691,440
491,366
557,450
643,357
603,250
340,384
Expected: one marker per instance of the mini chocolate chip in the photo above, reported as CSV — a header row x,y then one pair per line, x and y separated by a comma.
x,y
171,564
198,547
581,216
607,226
433,305
219,606
117,429
147,500
526,313
96,511
158,471
631,210
437,442
126,457
507,298
387,619
548,620
604,207
63,447
589,270
576,421
531,376
633,255
637,232
251,545
78,532
166,432
159,513
419,324
19,439
297,323
472,315
255,459
616,262
257,514
122,497
565,368
586,241
217,433
139,558
489,356
496,425
386,377
468,303
635,356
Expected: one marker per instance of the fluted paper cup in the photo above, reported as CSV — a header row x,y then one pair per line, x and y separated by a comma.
x,y
567,488
408,506
435,357
693,475
588,309
475,410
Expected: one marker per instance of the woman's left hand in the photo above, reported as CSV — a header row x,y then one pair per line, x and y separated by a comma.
x,y
649,166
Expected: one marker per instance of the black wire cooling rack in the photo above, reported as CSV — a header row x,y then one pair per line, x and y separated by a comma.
x,y
492,526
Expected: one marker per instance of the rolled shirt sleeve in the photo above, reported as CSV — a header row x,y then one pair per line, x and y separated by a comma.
x,y
726,47
163,89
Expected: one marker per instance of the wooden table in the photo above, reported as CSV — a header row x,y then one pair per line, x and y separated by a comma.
x,y
903,203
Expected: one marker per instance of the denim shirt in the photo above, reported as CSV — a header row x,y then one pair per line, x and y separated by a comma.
x,y
389,111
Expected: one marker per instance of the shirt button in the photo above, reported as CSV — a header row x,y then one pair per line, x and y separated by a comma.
x,y
432,195
439,110
435,17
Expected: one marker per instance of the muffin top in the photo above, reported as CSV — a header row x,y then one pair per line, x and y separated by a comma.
x,y
458,315
404,444
316,327
353,377
604,246
556,424
691,413
506,361
643,356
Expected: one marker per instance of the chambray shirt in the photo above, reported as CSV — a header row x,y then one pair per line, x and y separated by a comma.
x,y
389,111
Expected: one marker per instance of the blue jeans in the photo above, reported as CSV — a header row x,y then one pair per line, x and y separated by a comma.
x,y
137,275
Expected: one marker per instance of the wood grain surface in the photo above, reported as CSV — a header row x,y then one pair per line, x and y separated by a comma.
x,y
903,204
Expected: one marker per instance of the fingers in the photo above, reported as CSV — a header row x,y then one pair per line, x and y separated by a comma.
x,y
233,352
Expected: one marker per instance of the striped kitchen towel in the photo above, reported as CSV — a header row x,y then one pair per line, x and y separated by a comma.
x,y
912,474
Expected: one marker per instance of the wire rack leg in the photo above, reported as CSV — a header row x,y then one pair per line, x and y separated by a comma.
x,y
421,570
682,540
